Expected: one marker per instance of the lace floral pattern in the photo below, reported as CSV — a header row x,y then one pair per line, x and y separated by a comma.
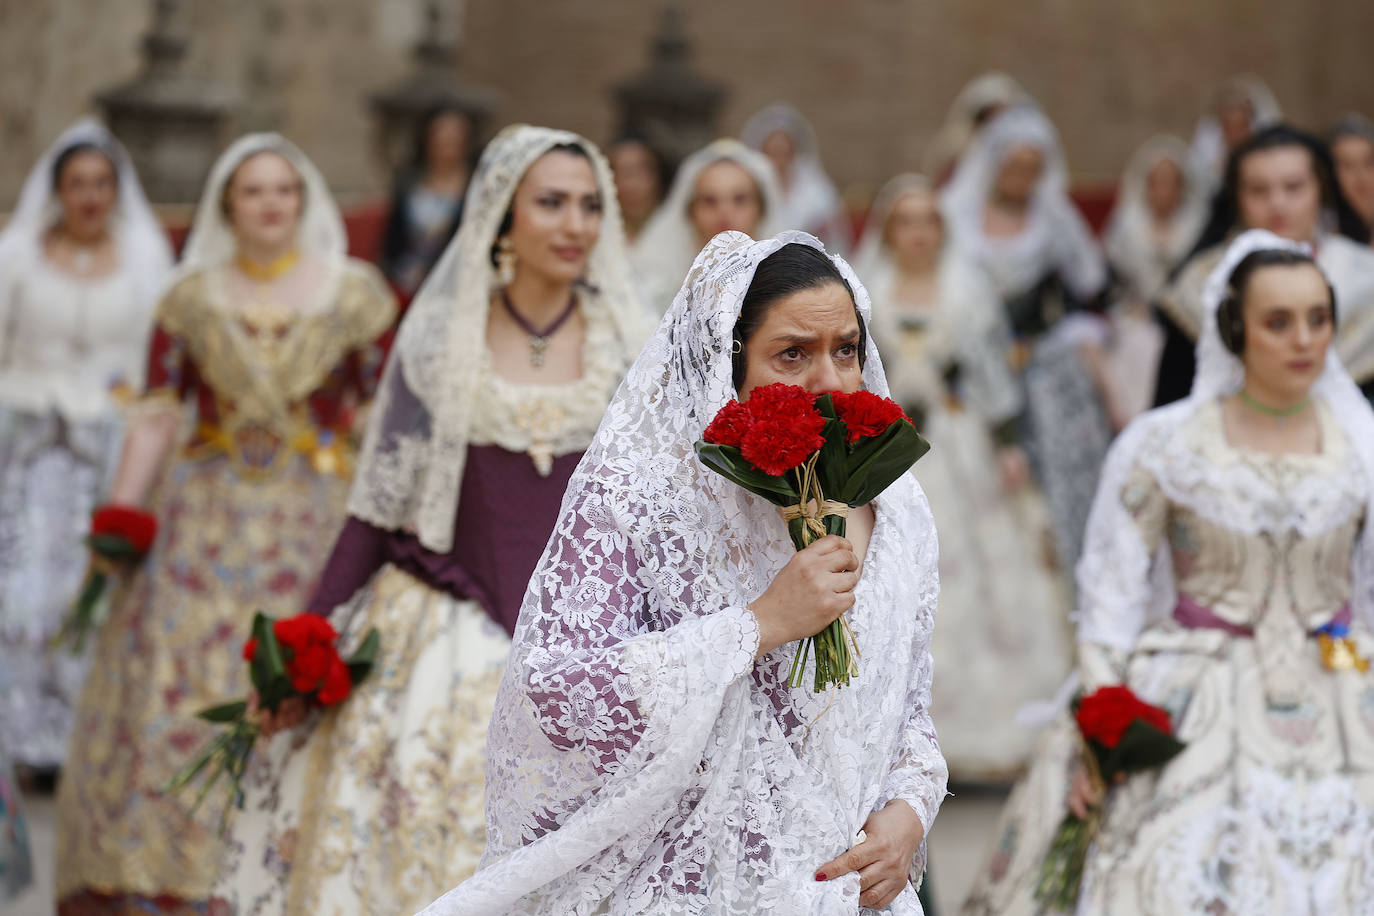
x,y
640,759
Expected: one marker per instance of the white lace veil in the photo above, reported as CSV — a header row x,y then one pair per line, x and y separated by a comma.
x,y
1130,240
1114,572
142,243
969,307
960,125
1054,228
665,248
631,753
1208,149
810,201
211,240
410,471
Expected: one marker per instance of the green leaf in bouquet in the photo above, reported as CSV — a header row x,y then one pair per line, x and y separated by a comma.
x,y
1142,747
727,461
113,547
225,712
876,463
364,657
268,669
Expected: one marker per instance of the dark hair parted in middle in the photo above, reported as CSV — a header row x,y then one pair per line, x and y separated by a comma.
x,y
575,149
791,269
59,164
1230,312
1225,216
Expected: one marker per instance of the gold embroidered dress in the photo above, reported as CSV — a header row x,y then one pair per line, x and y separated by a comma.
x,y
246,509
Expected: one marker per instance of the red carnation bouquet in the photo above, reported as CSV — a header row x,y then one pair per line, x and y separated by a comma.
x,y
292,657
1121,734
120,535
815,457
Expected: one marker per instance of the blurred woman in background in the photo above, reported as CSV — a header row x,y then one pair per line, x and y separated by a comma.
x,y
427,201
82,262
725,185
1282,180
1159,214
809,200
266,346
1002,640
1008,208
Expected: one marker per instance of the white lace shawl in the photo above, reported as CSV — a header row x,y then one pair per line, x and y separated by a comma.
x,y
1132,247
668,243
967,322
810,201
410,471
143,250
1124,583
639,758
1056,236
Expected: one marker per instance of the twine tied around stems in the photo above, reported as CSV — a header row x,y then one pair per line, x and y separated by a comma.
x,y
813,506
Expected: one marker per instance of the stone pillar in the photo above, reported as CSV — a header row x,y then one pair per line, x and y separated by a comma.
x,y
172,123
669,104
433,83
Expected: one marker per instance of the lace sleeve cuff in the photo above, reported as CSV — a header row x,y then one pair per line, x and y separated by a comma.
x,y
718,648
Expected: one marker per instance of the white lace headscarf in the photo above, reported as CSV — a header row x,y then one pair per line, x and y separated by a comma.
x,y
1130,238
410,472
211,242
1056,235
968,308
961,123
639,759
143,249
668,243
810,201
1118,595
1208,151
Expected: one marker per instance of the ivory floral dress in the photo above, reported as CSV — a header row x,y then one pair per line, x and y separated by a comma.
x,y
246,508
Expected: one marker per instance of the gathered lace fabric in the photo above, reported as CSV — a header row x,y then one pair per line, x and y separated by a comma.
x,y
640,759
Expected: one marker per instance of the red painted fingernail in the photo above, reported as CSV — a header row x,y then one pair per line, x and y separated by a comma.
x,y
820,876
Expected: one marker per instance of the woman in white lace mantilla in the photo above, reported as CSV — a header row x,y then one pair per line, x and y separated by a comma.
x,y
646,754
82,262
1008,208
723,186
1228,576
1003,639
477,427
808,199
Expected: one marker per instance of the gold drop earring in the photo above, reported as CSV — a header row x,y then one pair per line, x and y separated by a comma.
x,y
505,261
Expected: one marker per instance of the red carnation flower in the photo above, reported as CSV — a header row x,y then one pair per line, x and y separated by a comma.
x,y
137,527
304,630
1105,715
866,414
337,684
729,426
779,444
250,650
779,400
310,666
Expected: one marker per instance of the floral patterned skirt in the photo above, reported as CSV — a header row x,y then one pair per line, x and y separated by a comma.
x,y
375,807
1267,811
52,474
227,548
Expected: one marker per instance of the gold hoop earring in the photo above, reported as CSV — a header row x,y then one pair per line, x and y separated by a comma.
x,y
737,347
505,261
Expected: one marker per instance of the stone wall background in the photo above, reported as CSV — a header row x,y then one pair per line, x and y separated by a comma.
x,y
875,76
